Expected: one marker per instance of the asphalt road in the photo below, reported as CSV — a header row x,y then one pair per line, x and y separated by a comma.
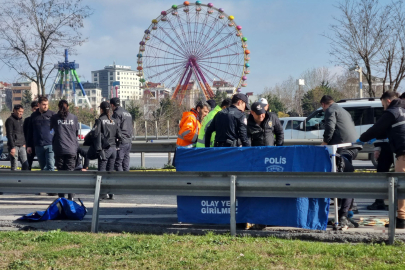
x,y
158,214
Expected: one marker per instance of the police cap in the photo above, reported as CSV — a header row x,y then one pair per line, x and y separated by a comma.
x,y
242,97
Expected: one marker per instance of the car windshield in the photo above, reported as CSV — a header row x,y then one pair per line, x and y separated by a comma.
x,y
315,121
85,127
293,124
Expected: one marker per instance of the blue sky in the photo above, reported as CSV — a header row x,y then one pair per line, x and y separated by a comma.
x,y
284,36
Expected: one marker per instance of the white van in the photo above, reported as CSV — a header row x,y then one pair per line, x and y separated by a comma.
x,y
291,122
365,112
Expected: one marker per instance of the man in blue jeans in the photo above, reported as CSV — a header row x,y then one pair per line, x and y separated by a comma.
x,y
15,138
40,135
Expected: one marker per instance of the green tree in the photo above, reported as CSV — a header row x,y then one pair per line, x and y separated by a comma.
x,y
168,111
26,99
275,104
310,101
219,96
134,110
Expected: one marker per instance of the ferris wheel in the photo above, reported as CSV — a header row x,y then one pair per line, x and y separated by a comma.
x,y
194,42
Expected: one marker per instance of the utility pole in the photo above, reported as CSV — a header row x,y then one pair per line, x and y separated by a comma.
x,y
300,83
360,70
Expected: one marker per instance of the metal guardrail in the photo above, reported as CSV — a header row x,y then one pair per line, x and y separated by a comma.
x,y
169,146
165,145
233,184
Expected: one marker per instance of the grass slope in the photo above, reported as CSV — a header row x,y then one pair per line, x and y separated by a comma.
x,y
63,250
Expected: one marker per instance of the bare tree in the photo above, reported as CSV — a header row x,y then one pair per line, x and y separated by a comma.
x,y
360,34
315,76
347,84
33,34
287,93
393,53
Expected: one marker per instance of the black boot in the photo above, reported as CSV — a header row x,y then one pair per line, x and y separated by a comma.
x,y
377,205
400,224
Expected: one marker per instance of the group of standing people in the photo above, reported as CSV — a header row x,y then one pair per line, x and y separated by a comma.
x,y
226,125
52,138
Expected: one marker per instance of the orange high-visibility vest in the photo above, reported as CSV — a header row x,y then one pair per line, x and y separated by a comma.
x,y
189,128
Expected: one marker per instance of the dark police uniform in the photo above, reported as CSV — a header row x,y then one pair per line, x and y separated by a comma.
x,y
230,126
82,154
30,157
107,135
392,125
263,134
385,161
124,121
65,143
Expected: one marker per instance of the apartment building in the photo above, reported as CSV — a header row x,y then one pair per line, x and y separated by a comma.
x,y
129,87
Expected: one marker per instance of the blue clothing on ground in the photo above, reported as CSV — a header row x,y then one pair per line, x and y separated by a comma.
x,y
60,208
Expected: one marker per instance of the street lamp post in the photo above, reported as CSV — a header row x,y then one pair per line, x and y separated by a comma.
x,y
360,71
300,82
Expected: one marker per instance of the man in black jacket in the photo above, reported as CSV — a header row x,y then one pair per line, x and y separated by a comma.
x,y
230,124
339,128
16,139
263,126
124,120
27,121
40,135
392,125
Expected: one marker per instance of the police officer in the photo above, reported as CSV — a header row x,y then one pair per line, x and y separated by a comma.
x,y
230,124
392,125
80,165
385,158
107,136
263,126
124,121
65,127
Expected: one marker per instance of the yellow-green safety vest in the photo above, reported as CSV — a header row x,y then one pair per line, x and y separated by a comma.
x,y
205,124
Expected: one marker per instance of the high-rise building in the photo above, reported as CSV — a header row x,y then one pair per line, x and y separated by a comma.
x,y
129,85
